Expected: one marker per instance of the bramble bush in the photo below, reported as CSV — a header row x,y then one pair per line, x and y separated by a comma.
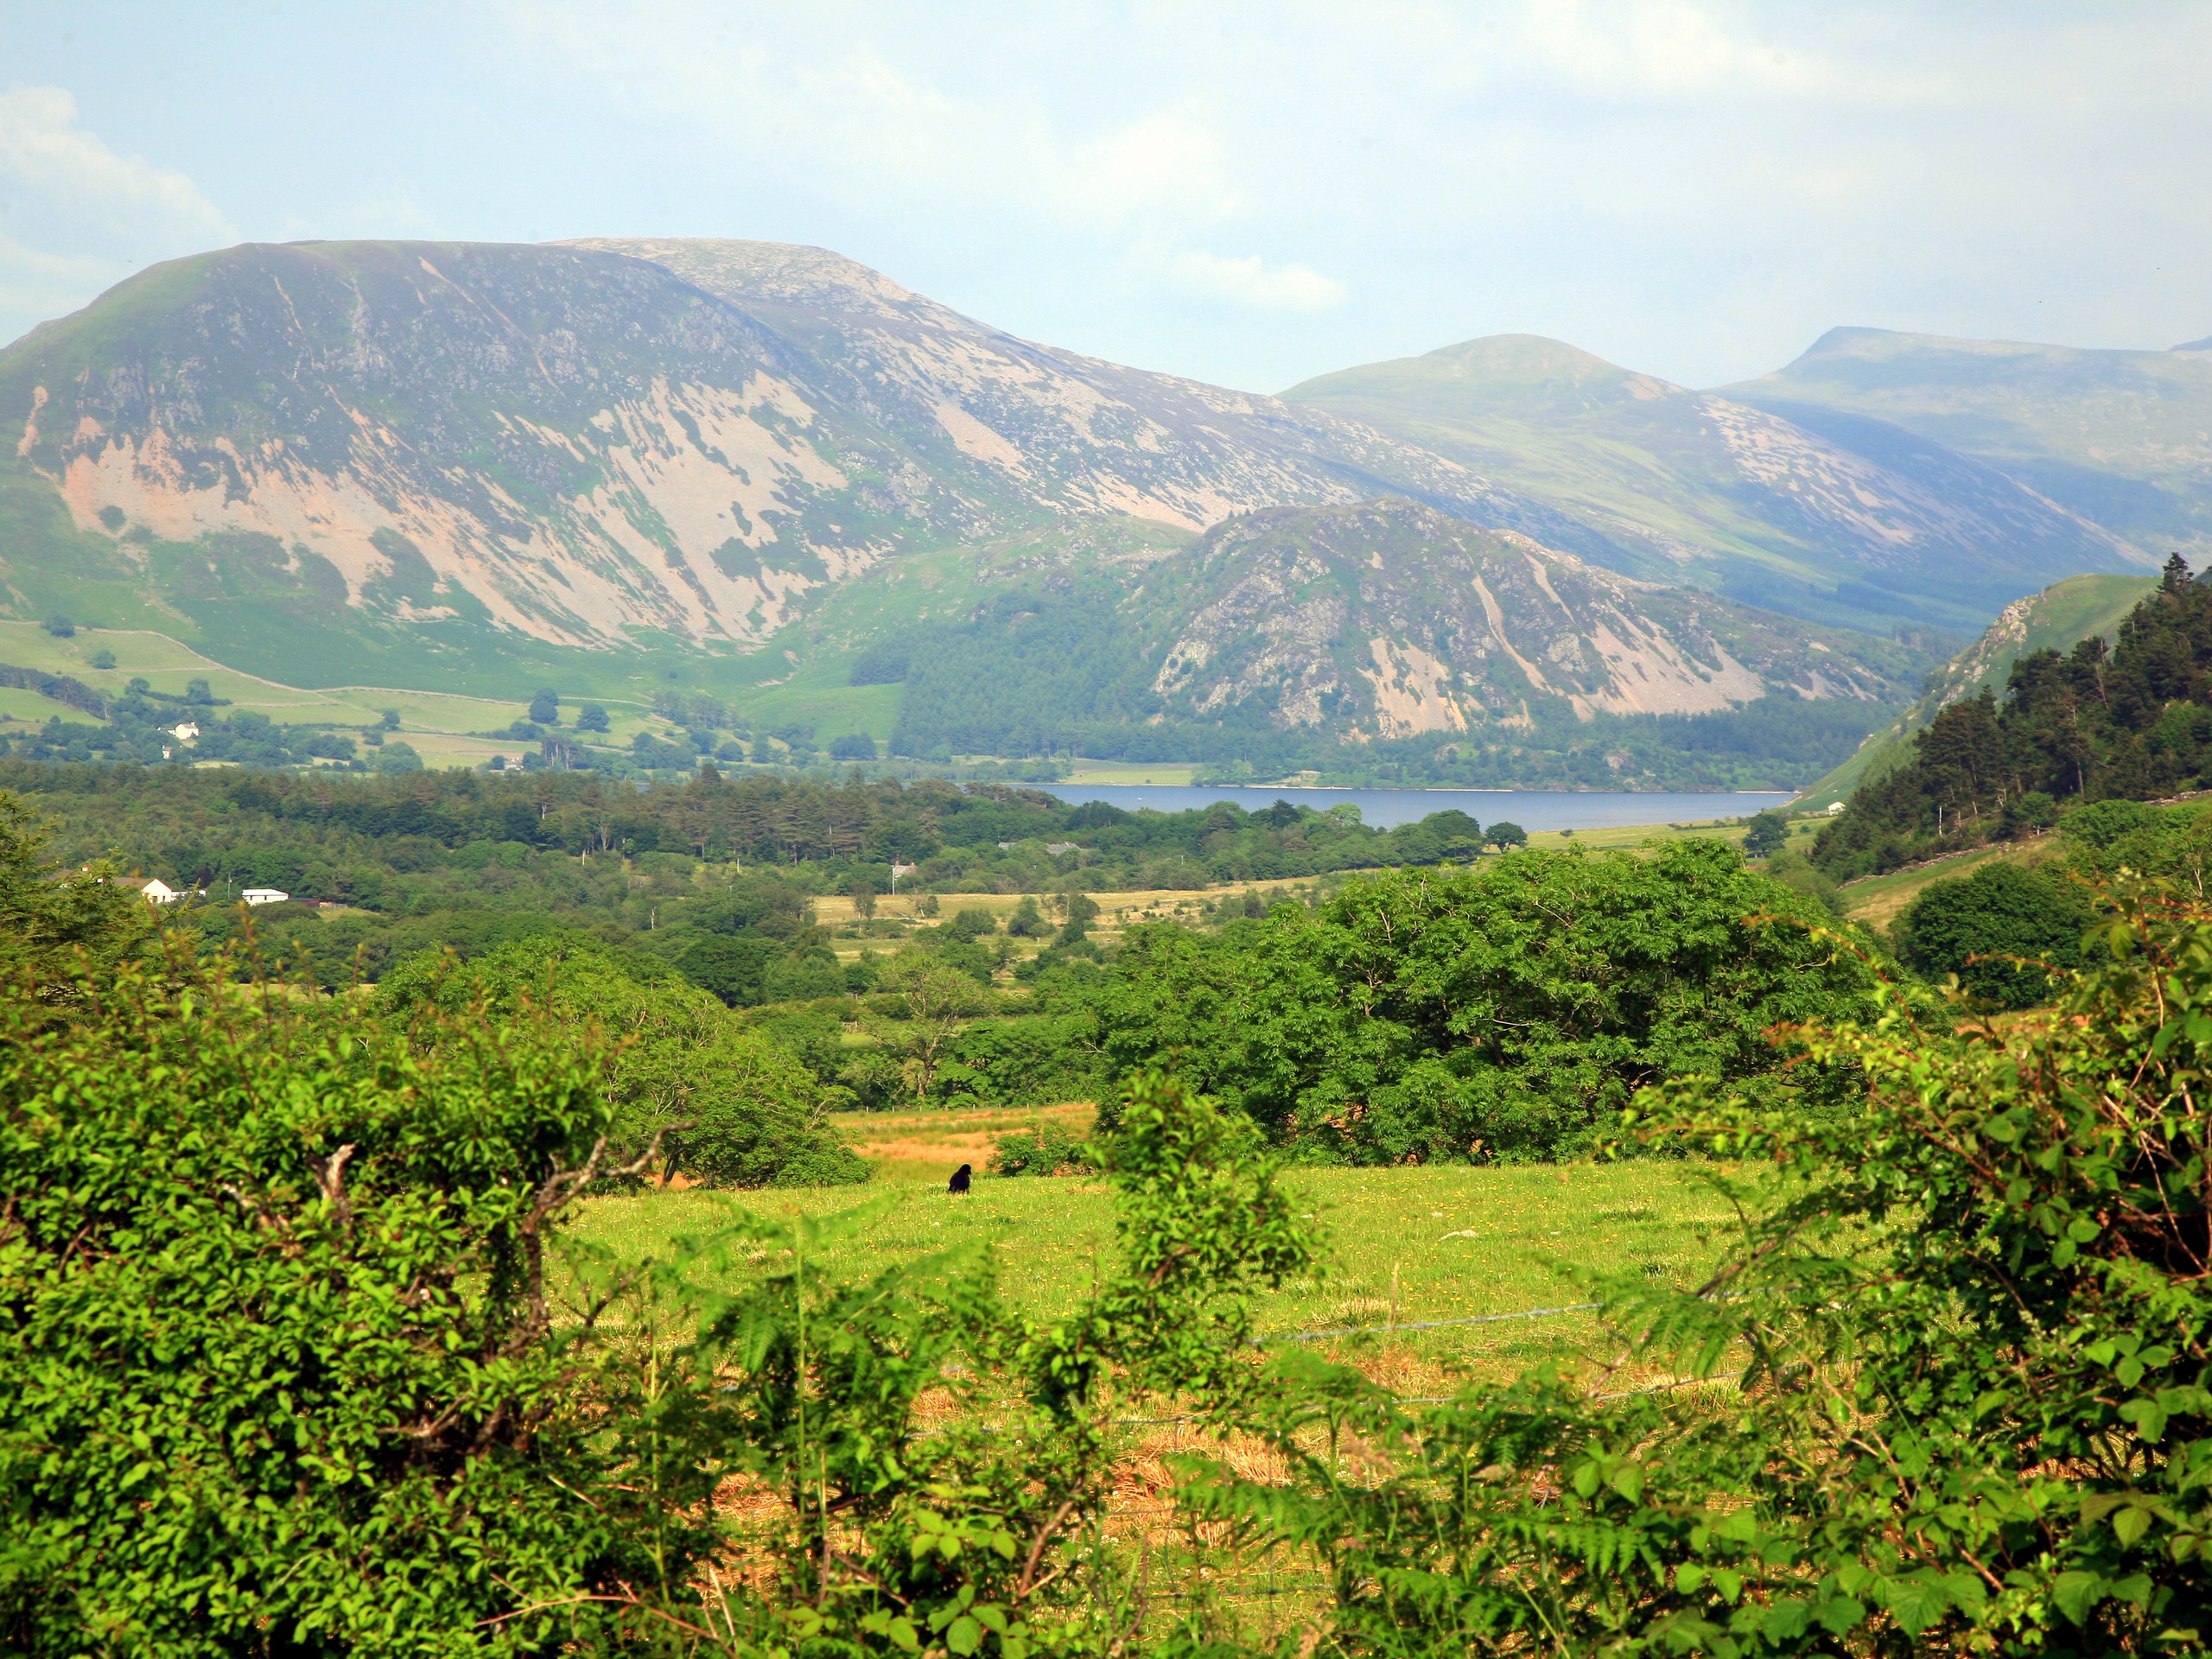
x,y
1045,1148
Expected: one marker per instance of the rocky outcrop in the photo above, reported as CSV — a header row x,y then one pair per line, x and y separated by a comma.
x,y
589,442
1389,618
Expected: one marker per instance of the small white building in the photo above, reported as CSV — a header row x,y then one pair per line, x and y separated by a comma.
x,y
184,731
1835,807
263,896
155,892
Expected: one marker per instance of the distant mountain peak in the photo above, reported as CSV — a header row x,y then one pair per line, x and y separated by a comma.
x,y
2203,345
1848,339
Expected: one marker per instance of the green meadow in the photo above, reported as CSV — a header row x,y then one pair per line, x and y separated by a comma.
x,y
1404,1245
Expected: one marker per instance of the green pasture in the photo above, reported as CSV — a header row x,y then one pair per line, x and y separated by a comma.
x,y
1878,900
1630,836
1423,1243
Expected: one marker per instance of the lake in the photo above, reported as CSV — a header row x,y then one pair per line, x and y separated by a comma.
x,y
1385,809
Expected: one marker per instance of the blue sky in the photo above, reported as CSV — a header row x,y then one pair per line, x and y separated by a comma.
x,y
1247,194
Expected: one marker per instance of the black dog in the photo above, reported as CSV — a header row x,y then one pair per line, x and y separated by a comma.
x,y
959,1181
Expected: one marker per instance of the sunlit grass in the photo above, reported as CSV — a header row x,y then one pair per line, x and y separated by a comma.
x,y
1404,1245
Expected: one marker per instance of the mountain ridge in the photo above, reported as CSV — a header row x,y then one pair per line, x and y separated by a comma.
x,y
2120,436
736,464
1754,502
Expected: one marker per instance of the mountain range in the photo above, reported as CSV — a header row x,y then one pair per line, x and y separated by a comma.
x,y
620,464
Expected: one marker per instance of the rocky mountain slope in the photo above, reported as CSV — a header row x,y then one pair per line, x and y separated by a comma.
x,y
591,448
1306,636
1388,619
2123,438
735,465
1857,522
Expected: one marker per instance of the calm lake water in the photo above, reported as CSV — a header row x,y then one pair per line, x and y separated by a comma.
x,y
1385,809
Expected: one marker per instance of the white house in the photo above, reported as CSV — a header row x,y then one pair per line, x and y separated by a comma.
x,y
155,892
1835,807
263,896
184,731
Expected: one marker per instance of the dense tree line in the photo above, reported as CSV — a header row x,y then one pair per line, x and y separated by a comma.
x,y
2132,721
431,837
1506,1010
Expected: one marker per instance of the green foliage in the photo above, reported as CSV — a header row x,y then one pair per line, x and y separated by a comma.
x,y
1045,1148
1769,833
1973,1327
719,1101
2132,721
283,1371
545,707
1990,927
2173,843
973,922
1800,875
919,1005
53,921
981,1535
1506,1010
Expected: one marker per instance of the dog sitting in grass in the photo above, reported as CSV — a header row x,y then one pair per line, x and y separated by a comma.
x,y
959,1181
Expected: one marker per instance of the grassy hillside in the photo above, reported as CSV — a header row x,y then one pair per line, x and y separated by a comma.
x,y
2055,618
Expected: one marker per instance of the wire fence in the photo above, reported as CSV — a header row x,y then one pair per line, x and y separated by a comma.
x,y
1427,1325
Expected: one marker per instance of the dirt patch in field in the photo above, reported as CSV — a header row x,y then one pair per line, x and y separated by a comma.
x,y
930,1146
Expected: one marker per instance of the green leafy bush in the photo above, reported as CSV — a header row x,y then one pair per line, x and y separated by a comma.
x,y
1991,928
1046,1149
283,1374
728,1106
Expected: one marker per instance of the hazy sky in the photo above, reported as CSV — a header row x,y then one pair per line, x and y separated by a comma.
x,y
1247,194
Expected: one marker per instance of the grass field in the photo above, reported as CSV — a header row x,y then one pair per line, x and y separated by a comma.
x,y
1117,771
1404,1245
1878,900
441,725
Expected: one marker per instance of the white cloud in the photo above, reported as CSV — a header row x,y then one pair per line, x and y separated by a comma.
x,y
1252,281
81,216
42,150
